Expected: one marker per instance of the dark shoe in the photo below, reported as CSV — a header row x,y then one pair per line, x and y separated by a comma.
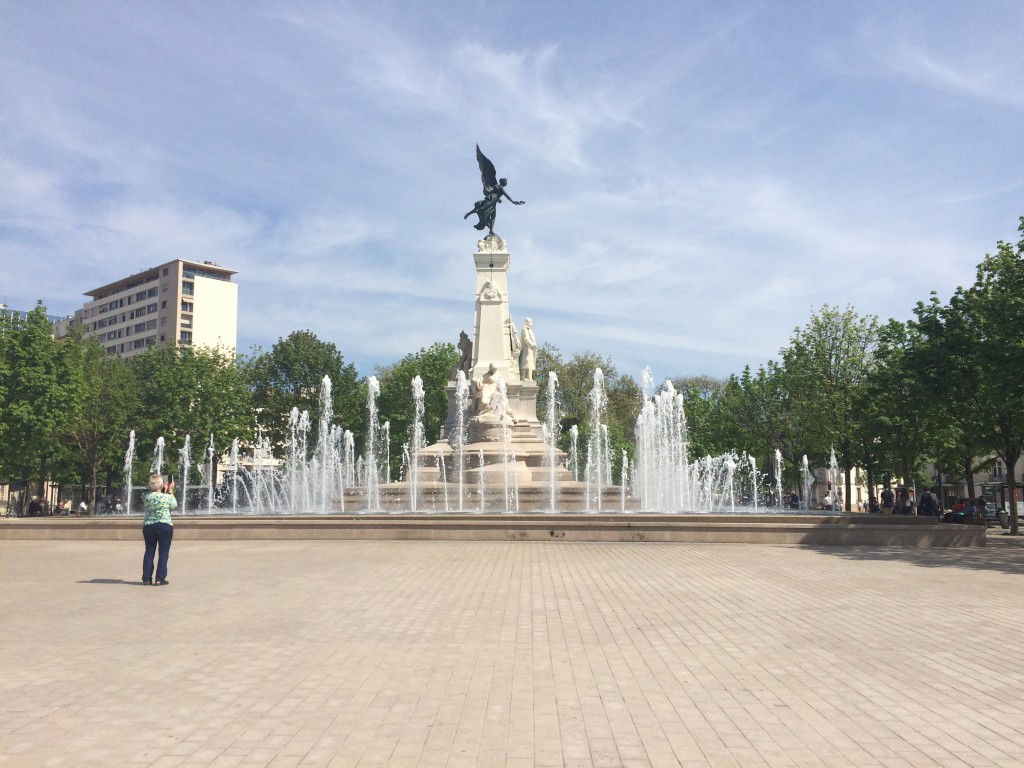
x,y
162,583
147,582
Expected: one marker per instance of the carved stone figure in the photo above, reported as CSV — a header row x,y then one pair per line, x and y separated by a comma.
x,y
494,190
513,338
528,355
465,353
484,389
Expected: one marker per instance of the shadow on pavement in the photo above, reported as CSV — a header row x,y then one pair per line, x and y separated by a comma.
x,y
113,581
1004,553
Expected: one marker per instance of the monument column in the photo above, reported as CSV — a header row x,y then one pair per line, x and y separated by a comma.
x,y
492,344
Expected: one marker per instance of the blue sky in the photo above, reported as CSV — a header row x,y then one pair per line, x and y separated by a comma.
x,y
699,176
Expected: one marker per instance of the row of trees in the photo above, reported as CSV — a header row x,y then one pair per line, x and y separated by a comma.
x,y
943,388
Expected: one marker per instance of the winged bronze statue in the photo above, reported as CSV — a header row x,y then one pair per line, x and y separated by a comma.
x,y
494,190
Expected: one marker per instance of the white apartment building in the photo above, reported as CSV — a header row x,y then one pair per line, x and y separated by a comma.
x,y
180,302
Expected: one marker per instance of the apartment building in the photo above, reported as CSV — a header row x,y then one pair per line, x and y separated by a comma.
x,y
180,302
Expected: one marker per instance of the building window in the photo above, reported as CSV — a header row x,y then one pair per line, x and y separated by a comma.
x,y
165,271
151,308
186,306
112,349
139,344
140,327
997,470
186,337
151,325
151,293
163,321
163,305
150,341
188,289
140,296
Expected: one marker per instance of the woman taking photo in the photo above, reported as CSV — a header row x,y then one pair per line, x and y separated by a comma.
x,y
157,527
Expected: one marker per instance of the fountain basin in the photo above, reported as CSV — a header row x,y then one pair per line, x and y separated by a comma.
x,y
785,529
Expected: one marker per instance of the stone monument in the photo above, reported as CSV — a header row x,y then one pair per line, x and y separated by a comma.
x,y
492,454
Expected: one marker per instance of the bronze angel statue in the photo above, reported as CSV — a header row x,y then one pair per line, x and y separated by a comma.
x,y
494,190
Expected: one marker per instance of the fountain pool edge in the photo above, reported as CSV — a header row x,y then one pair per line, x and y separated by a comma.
x,y
805,529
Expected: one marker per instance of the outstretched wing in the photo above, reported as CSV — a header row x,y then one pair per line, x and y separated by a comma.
x,y
488,175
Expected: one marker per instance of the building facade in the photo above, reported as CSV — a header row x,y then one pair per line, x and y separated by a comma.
x,y
180,302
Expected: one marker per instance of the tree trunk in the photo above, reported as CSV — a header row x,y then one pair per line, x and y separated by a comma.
x,y
41,483
969,476
871,483
91,503
1011,488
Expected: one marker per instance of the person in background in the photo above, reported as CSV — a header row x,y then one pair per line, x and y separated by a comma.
x,y
887,501
157,528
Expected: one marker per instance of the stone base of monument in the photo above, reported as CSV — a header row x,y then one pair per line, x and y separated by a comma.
x,y
489,494
803,530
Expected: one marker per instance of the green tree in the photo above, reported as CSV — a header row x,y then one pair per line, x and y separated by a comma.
x,y
395,403
980,331
945,348
825,364
755,414
190,391
40,391
706,425
895,431
575,383
290,376
99,426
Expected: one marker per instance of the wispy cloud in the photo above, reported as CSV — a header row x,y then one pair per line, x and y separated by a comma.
x,y
696,178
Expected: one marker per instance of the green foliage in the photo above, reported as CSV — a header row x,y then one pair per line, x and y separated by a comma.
x,y
189,391
40,391
98,427
706,419
825,366
395,403
575,383
980,339
291,376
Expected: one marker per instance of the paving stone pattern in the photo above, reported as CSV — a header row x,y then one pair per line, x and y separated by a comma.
x,y
347,653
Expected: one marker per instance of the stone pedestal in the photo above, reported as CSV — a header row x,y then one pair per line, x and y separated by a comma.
x,y
504,462
496,337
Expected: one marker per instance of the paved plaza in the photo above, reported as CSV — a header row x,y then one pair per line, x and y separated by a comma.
x,y
391,653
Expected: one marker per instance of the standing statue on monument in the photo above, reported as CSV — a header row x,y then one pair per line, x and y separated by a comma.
x,y
465,353
494,190
513,339
528,355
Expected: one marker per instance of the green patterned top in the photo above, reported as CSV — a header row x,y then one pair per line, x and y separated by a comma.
x,y
158,507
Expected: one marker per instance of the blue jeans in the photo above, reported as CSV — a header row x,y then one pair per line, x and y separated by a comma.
x,y
156,535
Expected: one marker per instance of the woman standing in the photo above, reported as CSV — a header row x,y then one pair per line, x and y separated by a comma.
x,y
157,527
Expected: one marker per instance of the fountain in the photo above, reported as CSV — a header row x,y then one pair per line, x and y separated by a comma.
x,y
494,454
129,458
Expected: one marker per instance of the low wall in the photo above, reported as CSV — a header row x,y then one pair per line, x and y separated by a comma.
x,y
806,529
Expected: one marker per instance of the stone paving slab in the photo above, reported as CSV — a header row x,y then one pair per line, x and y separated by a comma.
x,y
430,653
